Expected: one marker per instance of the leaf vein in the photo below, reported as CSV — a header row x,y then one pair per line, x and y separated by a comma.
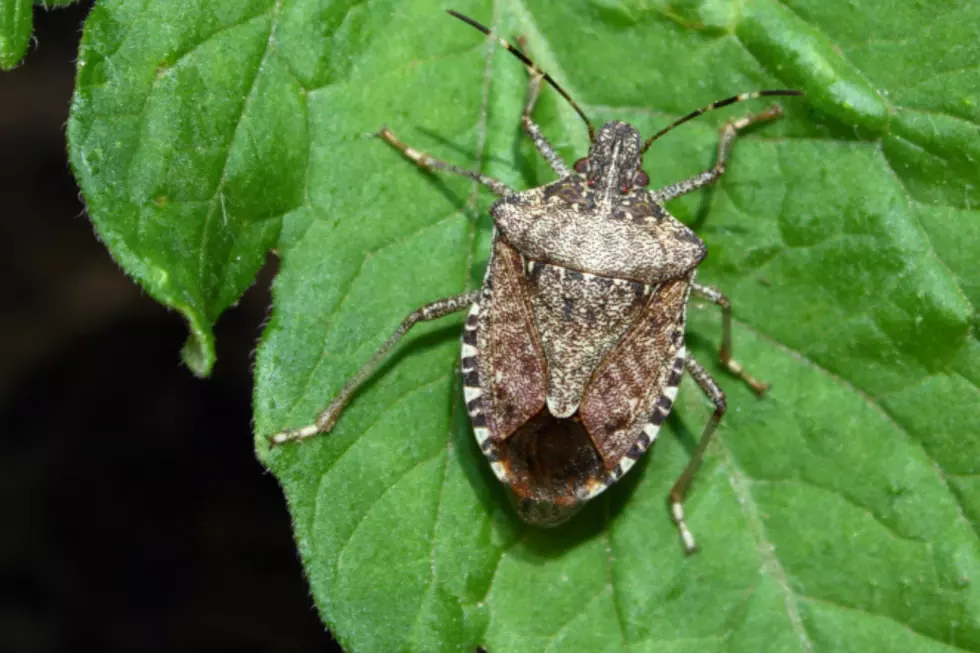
x,y
379,417
610,562
738,481
878,408
435,522
179,56
326,319
848,500
215,202
399,70
863,611
374,502
575,617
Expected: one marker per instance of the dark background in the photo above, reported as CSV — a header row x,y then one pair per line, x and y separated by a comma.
x,y
133,514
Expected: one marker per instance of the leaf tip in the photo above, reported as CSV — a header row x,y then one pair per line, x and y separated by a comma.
x,y
198,352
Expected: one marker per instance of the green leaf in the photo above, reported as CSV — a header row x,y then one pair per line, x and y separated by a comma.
x,y
840,513
16,26
189,139
16,23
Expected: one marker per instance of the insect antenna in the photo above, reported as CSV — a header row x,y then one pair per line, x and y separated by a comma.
x,y
717,105
531,65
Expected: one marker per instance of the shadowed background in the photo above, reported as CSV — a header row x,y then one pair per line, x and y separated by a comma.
x,y
135,516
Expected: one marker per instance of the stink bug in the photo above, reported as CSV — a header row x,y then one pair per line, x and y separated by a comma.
x,y
573,349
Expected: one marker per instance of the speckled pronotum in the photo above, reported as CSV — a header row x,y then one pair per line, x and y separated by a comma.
x,y
573,348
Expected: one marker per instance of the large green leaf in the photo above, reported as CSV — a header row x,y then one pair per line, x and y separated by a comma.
x,y
840,513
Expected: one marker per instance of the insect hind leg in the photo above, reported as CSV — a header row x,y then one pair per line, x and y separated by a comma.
x,y
683,483
429,162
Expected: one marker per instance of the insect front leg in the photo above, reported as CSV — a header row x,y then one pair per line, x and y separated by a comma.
x,y
725,353
429,162
532,129
728,134
683,483
325,420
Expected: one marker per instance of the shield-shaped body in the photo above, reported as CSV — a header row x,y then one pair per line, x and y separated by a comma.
x,y
569,370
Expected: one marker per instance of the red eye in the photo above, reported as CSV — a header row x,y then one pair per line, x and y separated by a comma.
x,y
641,179
624,189
581,166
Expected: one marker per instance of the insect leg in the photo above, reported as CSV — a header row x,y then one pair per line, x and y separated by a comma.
x,y
728,134
429,162
725,353
531,128
325,420
683,483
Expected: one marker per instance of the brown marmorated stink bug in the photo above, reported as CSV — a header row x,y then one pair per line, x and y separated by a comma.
x,y
574,346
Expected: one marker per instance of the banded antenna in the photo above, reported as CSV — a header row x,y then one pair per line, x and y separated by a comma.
x,y
717,105
533,67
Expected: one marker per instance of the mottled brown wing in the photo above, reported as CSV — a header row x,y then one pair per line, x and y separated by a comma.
x,y
633,389
504,373
519,380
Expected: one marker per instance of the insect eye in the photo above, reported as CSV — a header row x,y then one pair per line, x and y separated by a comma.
x,y
641,179
624,189
581,166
